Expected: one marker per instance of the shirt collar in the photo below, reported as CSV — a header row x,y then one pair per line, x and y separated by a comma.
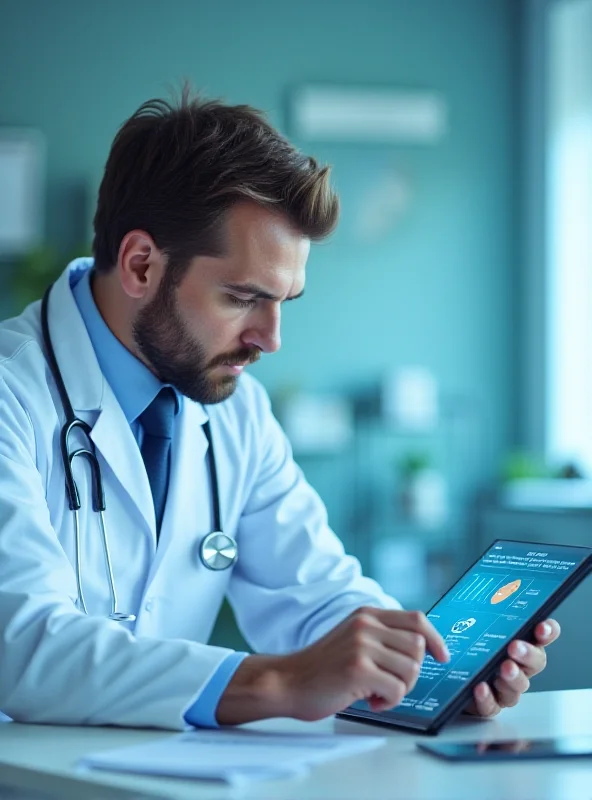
x,y
133,384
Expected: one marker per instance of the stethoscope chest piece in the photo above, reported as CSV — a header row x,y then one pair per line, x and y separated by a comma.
x,y
118,616
218,551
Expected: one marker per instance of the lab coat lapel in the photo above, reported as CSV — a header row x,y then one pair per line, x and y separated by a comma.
x,y
89,391
115,441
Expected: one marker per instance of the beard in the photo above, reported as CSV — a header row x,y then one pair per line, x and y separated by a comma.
x,y
177,358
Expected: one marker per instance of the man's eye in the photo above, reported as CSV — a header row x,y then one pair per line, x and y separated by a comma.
x,y
236,301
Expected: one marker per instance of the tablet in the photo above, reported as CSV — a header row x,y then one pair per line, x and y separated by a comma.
x,y
501,597
511,749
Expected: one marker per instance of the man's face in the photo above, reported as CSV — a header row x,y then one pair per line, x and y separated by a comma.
x,y
200,335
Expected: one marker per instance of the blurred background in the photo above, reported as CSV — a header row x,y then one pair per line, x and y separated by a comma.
x,y
435,381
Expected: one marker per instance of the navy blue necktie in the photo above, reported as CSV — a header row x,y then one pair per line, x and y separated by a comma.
x,y
157,421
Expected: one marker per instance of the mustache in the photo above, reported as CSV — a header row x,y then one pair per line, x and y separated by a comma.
x,y
248,355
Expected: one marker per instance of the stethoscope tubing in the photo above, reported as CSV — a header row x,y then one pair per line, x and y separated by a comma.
x,y
227,545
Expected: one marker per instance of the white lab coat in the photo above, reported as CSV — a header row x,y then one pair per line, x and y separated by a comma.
x,y
291,584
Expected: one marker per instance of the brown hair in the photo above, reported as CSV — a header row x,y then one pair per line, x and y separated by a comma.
x,y
174,170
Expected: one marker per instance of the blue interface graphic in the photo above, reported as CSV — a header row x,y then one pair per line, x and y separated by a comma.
x,y
482,613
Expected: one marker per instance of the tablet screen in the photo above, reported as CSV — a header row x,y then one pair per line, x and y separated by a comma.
x,y
481,614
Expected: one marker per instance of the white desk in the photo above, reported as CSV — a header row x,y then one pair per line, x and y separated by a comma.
x,y
49,755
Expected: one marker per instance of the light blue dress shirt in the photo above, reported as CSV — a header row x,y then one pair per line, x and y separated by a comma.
x,y
135,387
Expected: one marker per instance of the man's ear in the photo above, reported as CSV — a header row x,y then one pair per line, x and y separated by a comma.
x,y
140,264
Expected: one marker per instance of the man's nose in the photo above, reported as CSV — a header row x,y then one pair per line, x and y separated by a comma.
x,y
265,333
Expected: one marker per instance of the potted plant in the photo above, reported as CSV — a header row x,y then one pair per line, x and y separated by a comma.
x,y
35,271
423,491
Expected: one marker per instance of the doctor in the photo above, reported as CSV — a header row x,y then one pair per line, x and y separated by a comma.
x,y
143,476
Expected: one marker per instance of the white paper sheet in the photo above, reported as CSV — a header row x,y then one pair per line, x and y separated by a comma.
x,y
234,756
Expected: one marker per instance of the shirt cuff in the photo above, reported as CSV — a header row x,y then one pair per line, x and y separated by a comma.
x,y
202,713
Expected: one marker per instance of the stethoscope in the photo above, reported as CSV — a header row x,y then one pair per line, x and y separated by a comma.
x,y
217,550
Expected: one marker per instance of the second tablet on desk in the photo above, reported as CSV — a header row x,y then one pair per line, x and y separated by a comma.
x,y
511,749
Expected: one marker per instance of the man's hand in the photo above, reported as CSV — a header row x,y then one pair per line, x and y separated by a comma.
x,y
374,655
525,661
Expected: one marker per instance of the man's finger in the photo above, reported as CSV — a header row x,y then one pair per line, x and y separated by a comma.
x,y
401,666
409,643
547,632
531,658
485,704
510,684
387,690
418,622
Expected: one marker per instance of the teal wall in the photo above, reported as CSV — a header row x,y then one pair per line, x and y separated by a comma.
x,y
439,289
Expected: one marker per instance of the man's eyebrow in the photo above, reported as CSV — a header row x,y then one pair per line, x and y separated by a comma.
x,y
257,292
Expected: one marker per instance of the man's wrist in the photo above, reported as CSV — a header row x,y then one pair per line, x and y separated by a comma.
x,y
259,689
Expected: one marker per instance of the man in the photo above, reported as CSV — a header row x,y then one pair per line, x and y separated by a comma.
x,y
202,231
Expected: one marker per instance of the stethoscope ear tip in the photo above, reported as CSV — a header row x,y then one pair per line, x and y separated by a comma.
x,y
119,617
